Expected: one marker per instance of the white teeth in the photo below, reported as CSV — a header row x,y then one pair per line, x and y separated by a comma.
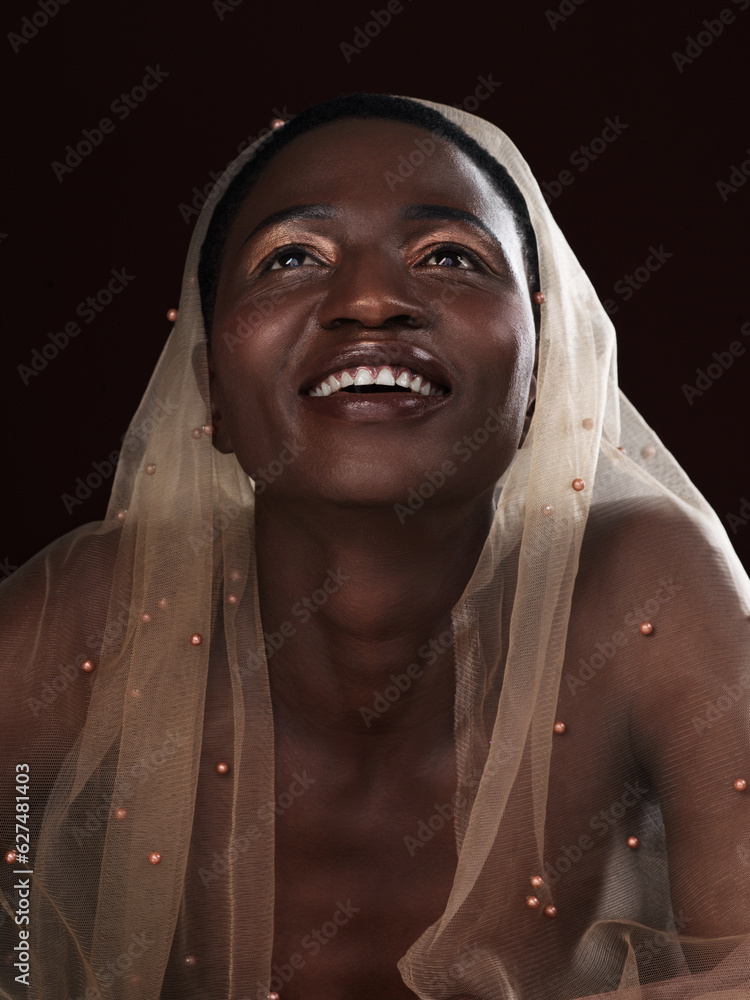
x,y
377,375
385,377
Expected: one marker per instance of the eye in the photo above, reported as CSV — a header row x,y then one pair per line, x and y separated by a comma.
x,y
453,256
288,258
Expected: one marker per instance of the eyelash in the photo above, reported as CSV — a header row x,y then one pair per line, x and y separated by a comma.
x,y
287,251
459,251
296,249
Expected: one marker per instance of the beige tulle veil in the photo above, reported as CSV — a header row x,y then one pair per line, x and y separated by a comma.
x,y
549,629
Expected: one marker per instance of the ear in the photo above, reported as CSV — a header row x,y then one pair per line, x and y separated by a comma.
x,y
221,439
531,402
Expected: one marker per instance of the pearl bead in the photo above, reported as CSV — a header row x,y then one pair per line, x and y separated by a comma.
x,y
121,813
150,469
197,432
536,881
559,728
233,599
121,515
11,857
235,575
190,960
648,452
273,996
550,910
146,618
539,298
277,123
222,767
172,315
196,639
578,485
532,902
163,603
548,510
208,429
740,784
87,666
135,692
633,843
588,424
646,628
154,858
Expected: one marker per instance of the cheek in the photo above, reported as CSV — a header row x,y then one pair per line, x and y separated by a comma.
x,y
243,391
502,397
507,356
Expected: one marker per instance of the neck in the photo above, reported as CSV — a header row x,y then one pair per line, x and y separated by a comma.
x,y
356,610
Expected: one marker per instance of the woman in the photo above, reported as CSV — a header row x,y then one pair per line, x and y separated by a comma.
x,y
382,688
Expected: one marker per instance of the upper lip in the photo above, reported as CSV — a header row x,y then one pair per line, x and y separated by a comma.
x,y
375,353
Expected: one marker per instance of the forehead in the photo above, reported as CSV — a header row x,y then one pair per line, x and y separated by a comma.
x,y
372,165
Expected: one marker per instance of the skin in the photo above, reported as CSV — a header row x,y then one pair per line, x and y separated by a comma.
x,y
372,280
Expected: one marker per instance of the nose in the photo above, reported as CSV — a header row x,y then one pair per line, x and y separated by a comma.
x,y
373,290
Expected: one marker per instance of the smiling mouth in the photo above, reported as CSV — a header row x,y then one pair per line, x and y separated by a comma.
x,y
376,379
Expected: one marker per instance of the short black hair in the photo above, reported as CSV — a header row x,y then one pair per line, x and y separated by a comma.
x,y
399,109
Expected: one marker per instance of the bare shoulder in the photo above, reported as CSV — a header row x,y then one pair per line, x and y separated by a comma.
x,y
656,552
677,605
52,614
657,683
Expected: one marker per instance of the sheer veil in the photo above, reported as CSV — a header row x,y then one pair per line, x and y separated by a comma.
x,y
110,632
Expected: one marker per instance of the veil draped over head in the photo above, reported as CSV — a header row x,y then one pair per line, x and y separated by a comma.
x,y
135,655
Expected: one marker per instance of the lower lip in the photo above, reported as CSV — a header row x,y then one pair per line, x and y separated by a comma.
x,y
374,407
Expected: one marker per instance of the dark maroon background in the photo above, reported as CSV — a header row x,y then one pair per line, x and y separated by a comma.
x,y
656,185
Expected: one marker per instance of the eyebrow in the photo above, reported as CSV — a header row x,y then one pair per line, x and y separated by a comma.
x,y
439,213
446,213
294,213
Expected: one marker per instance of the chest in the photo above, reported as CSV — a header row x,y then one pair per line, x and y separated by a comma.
x,y
364,863
365,857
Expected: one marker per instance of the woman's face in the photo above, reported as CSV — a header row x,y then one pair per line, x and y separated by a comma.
x,y
372,245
